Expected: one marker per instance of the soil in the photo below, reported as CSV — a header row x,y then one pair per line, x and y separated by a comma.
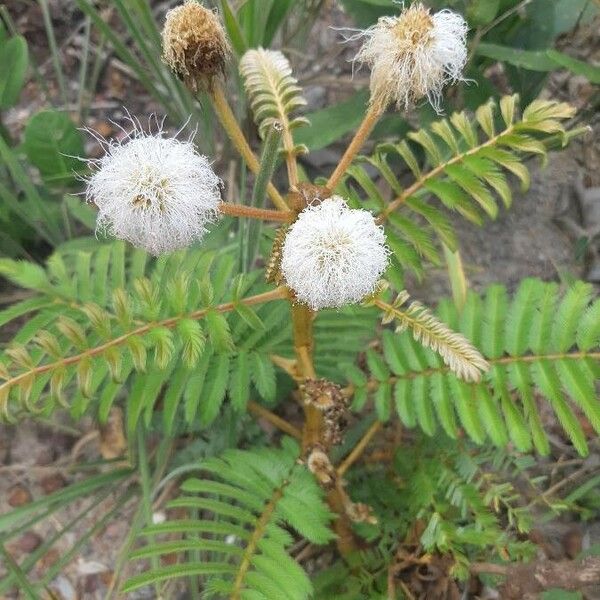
x,y
535,237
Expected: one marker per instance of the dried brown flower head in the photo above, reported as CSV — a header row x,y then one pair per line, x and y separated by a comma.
x,y
319,464
194,44
322,394
329,399
359,512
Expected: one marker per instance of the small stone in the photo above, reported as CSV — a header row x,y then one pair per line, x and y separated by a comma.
x,y
18,496
53,483
28,542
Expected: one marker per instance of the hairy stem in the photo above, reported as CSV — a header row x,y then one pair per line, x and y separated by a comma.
x,y
231,126
302,319
360,137
337,500
251,212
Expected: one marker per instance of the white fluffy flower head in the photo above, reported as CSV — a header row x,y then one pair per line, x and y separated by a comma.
x,y
414,55
333,255
156,192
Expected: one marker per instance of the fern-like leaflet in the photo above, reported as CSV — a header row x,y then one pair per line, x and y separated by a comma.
x,y
539,345
456,351
99,333
274,95
247,501
460,161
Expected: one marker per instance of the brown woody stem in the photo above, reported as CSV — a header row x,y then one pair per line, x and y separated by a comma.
x,y
526,581
358,141
302,319
231,126
251,212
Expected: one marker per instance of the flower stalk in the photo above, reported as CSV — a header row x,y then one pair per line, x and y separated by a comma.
x,y
358,141
302,320
233,130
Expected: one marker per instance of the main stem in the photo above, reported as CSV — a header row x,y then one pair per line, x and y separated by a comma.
x,y
358,141
302,319
231,126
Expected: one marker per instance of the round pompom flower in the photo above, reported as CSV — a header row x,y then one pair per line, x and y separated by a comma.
x,y
414,55
333,255
155,192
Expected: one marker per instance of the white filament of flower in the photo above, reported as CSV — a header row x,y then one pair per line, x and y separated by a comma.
x,y
333,255
414,55
158,193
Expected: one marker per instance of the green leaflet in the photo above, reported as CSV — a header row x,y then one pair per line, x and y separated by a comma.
x,y
464,163
533,350
271,491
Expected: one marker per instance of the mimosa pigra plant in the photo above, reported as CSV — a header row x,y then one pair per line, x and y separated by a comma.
x,y
203,326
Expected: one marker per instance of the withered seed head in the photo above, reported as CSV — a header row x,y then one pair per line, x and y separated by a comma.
x,y
328,398
324,395
194,44
321,467
360,513
305,195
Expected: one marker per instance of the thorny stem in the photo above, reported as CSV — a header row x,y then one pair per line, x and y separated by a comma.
x,y
282,424
251,212
360,137
170,323
231,126
359,448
